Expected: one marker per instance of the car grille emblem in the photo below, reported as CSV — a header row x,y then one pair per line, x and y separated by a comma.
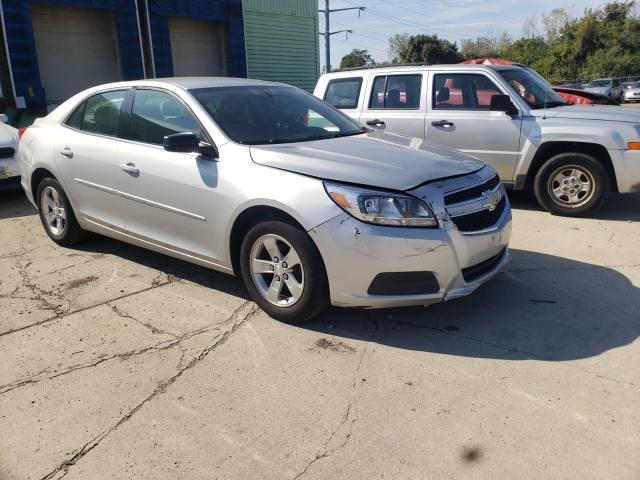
x,y
490,201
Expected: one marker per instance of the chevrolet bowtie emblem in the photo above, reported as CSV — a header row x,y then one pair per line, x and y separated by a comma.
x,y
490,201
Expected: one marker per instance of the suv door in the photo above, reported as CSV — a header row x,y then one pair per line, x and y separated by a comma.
x,y
86,155
395,102
459,117
170,196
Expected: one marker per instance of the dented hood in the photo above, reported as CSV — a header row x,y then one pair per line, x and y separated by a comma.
x,y
376,159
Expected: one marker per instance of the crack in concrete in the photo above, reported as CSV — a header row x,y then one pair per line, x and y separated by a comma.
x,y
236,320
154,330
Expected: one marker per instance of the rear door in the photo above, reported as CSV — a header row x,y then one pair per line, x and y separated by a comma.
x,y
397,103
459,117
86,154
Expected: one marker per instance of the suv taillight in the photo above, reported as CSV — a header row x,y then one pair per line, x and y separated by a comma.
x,y
21,132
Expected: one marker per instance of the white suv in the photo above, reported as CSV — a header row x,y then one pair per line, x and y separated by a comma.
x,y
572,156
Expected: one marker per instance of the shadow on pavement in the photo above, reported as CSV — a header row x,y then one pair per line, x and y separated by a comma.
x,y
619,207
540,307
14,203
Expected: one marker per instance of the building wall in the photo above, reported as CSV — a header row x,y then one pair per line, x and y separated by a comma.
x,y
281,40
21,47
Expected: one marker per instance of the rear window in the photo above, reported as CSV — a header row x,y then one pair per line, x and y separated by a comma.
x,y
343,92
396,92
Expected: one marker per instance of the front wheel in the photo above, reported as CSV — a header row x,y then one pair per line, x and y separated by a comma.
x,y
283,271
572,184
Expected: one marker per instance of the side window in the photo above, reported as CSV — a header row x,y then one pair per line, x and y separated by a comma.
x,y
157,114
396,92
616,83
462,91
99,113
343,92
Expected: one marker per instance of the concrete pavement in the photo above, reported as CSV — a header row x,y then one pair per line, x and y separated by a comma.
x,y
116,362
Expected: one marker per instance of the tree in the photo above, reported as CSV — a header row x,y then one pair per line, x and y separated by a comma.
x,y
357,58
488,46
426,49
396,43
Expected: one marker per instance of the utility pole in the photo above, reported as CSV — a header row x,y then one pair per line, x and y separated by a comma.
x,y
327,33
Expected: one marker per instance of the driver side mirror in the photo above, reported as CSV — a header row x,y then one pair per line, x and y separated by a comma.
x,y
503,103
188,142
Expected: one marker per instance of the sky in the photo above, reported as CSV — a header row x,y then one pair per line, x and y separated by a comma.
x,y
453,20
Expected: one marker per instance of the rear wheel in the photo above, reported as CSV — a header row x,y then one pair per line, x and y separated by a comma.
x,y
283,271
56,214
572,184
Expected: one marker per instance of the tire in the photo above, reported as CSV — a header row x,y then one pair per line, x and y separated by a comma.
x,y
311,293
587,184
65,232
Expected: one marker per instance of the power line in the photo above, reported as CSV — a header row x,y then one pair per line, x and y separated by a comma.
x,y
327,30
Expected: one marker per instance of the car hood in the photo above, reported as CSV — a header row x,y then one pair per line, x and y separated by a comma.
x,y
376,159
598,89
610,113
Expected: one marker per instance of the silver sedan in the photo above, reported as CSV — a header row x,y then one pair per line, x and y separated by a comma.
x,y
270,183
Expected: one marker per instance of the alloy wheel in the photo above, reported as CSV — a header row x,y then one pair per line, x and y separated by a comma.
x,y
53,211
276,270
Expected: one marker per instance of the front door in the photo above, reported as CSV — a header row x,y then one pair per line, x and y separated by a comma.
x,y
170,197
459,117
397,102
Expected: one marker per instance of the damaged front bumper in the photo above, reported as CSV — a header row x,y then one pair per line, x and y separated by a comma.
x,y
355,253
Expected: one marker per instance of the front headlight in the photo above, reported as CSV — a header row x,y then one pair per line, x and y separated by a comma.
x,y
382,208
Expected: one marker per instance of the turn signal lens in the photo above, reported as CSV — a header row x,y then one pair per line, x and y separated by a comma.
x,y
633,145
21,132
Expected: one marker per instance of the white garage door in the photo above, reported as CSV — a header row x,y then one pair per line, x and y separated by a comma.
x,y
197,47
77,48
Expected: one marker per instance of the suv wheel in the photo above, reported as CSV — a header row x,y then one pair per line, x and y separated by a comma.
x,y
283,271
56,214
572,184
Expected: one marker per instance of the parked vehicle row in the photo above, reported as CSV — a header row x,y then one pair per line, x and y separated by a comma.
x,y
571,156
270,183
8,146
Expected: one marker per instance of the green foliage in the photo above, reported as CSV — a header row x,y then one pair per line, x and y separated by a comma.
x,y
603,42
357,58
424,48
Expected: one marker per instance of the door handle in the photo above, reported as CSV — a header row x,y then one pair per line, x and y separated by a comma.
x,y
130,168
376,123
442,123
66,151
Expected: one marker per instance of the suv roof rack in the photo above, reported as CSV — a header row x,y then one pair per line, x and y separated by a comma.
x,y
380,65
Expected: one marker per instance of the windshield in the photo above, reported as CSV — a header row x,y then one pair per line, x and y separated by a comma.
x,y
532,88
263,114
599,83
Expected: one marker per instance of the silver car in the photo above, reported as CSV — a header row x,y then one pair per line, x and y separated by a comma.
x,y
611,87
631,92
270,183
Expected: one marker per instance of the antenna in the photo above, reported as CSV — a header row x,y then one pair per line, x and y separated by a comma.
x,y
544,113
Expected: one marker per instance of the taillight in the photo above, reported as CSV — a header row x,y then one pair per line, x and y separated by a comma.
x,y
21,132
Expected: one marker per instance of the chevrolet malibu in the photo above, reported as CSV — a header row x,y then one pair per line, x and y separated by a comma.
x,y
270,183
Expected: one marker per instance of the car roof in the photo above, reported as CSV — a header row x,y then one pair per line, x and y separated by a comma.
x,y
188,83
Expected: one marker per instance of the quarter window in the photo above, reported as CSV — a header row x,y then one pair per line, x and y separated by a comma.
x,y
463,91
396,92
99,113
343,92
157,114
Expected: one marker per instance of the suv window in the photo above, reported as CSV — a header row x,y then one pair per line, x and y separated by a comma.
x,y
158,114
463,91
99,113
343,92
395,92
616,82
